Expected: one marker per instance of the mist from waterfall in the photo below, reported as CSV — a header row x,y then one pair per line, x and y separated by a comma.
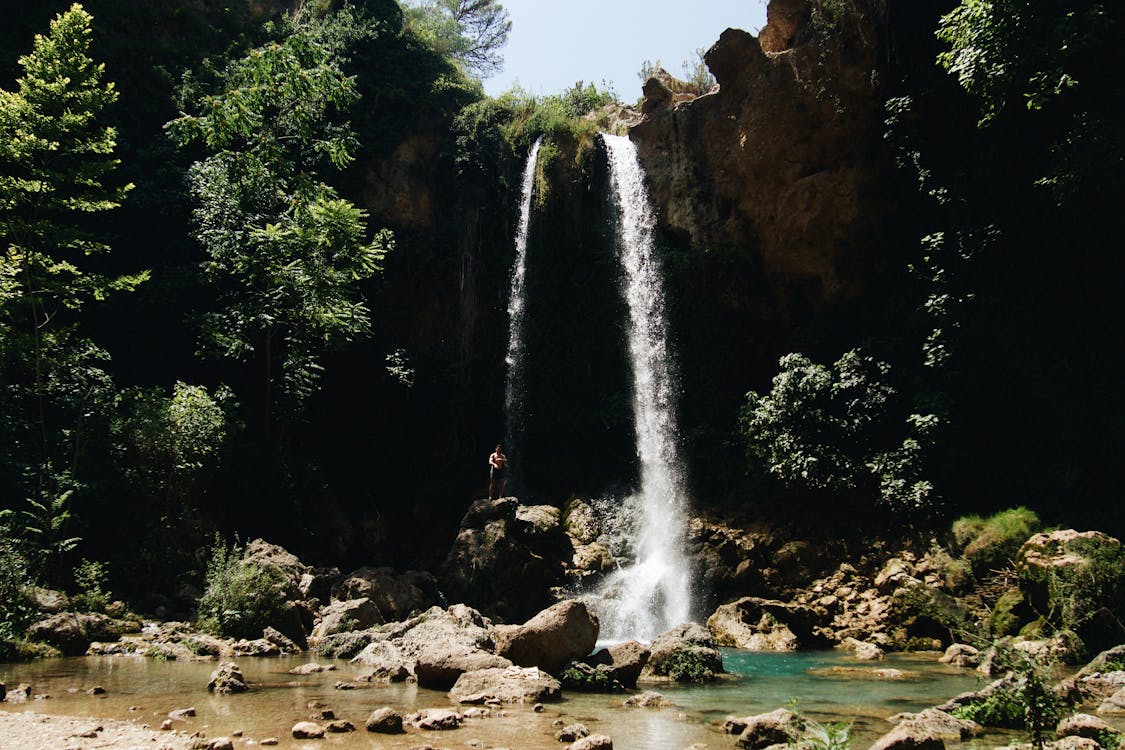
x,y
653,593
517,302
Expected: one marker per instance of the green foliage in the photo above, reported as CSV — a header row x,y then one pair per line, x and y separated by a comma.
x,y
829,429
687,665
814,735
241,598
16,610
697,74
1027,700
288,252
471,32
1009,612
992,543
91,580
1001,708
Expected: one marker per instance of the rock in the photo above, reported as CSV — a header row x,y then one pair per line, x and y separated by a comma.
x,y
382,662
227,679
312,668
347,616
181,713
268,741
1107,661
961,655
767,729
1083,725
648,699
96,690
863,673
582,677
3,692
626,661
439,666
72,633
48,601
20,694
684,654
347,645
344,685
385,721
507,558
166,725
1074,743
752,623
435,719
257,647
203,644
220,743
263,554
936,723
592,558
340,726
1114,704
895,574
864,651
459,626
317,583
593,742
396,595
572,732
580,521
307,730
326,714
511,685
562,632
908,737
279,639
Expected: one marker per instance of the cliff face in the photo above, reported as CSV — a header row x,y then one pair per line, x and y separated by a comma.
x,y
784,158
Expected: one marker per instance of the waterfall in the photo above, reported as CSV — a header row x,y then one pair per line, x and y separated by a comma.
x,y
653,593
517,301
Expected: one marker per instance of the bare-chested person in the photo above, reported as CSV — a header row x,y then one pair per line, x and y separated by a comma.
x,y
497,470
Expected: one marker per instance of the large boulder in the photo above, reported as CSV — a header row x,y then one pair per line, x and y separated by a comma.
x,y
72,633
511,685
622,662
435,719
384,721
397,595
381,661
936,723
439,666
265,555
1084,725
458,626
226,679
507,558
908,737
347,616
773,728
763,625
686,653
562,632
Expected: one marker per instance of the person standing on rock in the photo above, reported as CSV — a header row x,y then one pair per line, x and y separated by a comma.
x,y
497,471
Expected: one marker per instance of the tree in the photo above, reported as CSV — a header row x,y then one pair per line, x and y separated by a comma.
x,y
286,251
469,31
56,161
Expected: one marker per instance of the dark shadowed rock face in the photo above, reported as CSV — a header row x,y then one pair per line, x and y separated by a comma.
x,y
786,157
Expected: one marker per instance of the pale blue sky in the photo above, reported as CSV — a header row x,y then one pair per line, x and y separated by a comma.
x,y
555,43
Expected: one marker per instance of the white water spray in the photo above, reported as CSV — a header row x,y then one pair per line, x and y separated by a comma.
x,y
653,594
517,301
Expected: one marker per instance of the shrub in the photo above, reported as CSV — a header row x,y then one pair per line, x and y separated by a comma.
x,y
687,665
1008,614
241,598
90,578
16,610
992,543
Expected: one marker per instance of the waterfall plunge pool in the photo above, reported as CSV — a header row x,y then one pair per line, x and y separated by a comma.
x,y
145,690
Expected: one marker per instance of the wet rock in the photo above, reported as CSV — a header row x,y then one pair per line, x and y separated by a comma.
x,y
96,690
227,679
686,653
864,651
385,721
939,724
268,741
507,558
582,677
72,633
908,737
279,639
326,714
202,644
1074,743
767,729
511,685
435,719
181,713
20,694
257,647
344,685
307,730
961,655
347,616
863,673
312,668
166,725
1083,725
593,742
627,660
396,595
346,645
340,726
1113,705
763,625
439,666
572,732
648,699
562,632
220,743
383,662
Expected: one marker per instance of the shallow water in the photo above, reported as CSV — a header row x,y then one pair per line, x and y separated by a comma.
x,y
146,690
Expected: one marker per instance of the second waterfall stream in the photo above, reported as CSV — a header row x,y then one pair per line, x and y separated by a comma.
x,y
653,593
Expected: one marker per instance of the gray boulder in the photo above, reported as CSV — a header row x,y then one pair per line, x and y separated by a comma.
x,y
562,632
936,723
257,647
686,653
1083,725
307,730
1113,705
649,699
438,667
383,662
346,616
347,645
572,732
511,685
279,639
435,719
226,679
593,742
397,595
908,737
763,625
763,730
385,721
72,633
961,655
459,626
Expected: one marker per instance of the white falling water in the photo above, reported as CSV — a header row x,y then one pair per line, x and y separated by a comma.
x,y
653,594
517,301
